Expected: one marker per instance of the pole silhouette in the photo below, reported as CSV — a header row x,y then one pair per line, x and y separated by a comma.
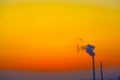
x,y
89,49
101,70
93,65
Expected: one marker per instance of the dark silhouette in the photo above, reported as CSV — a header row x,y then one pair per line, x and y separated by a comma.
x,y
101,70
89,49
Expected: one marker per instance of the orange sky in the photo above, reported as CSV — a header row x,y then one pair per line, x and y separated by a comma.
x,y
43,36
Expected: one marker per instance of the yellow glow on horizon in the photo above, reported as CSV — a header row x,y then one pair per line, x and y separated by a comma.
x,y
46,33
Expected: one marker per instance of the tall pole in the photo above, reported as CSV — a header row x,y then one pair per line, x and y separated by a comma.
x,y
89,49
93,65
101,70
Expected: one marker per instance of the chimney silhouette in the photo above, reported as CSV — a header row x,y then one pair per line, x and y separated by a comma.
x,y
89,49
101,70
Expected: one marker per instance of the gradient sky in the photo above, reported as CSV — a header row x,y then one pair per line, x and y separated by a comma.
x,y
42,35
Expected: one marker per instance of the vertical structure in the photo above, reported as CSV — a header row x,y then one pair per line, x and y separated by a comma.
x,y
101,70
93,65
89,49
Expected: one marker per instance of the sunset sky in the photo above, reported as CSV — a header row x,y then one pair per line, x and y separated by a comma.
x,y
42,35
